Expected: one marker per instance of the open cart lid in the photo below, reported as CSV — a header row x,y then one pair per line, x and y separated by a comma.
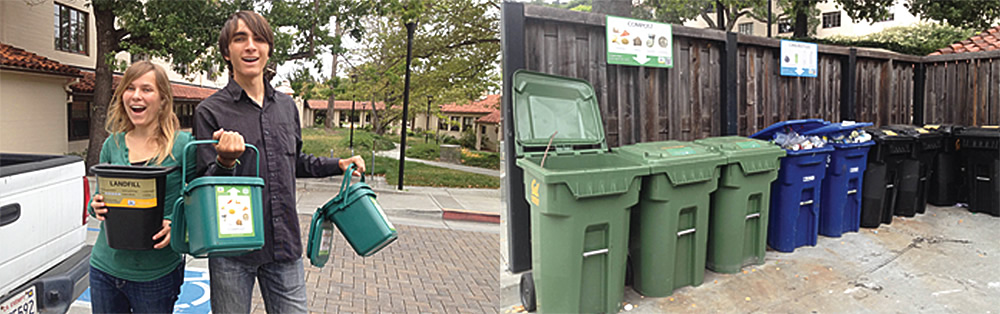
x,y
562,109
837,127
799,126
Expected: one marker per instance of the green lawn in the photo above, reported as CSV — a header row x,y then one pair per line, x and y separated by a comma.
x,y
318,141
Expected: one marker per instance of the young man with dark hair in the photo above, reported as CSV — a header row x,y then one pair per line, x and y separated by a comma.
x,y
269,120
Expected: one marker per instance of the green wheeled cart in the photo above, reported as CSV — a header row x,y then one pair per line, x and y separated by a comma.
x,y
738,217
579,193
670,224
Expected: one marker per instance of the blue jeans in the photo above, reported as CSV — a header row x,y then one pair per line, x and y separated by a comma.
x,y
282,285
110,294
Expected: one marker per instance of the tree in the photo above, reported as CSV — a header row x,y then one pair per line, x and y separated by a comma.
x,y
157,28
978,15
455,56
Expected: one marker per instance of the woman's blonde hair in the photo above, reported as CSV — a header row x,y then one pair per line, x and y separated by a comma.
x,y
118,120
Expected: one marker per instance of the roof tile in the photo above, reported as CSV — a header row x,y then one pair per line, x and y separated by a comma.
x,y
14,57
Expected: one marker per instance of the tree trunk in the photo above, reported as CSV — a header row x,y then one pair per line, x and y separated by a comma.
x,y
330,111
375,125
801,23
104,19
613,7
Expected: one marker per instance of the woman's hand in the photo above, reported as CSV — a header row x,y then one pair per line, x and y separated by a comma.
x,y
229,148
359,165
100,209
165,234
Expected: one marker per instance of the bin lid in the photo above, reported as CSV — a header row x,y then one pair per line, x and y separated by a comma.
x,y
798,126
683,162
836,127
882,134
913,131
562,109
752,155
988,131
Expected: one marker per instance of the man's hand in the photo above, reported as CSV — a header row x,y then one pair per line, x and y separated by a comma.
x,y
229,148
359,165
97,202
165,234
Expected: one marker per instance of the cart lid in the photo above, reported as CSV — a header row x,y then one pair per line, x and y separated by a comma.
x,y
562,109
837,127
799,126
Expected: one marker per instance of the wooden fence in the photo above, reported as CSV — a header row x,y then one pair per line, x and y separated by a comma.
x,y
729,84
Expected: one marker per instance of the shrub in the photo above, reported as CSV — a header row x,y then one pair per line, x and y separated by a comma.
x,y
920,39
425,151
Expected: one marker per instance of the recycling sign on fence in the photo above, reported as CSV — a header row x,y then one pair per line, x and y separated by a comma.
x,y
798,58
639,43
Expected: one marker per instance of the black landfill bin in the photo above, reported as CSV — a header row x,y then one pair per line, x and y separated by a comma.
x,y
946,179
979,148
916,170
878,198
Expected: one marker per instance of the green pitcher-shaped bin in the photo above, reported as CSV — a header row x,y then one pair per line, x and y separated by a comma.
x,y
219,215
359,218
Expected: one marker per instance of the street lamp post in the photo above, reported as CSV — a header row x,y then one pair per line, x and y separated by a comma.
x,y
406,101
427,122
354,80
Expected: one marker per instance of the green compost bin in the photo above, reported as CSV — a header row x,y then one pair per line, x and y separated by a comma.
x,y
579,193
670,223
738,217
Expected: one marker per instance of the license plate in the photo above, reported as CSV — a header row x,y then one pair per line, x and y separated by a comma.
x,y
23,302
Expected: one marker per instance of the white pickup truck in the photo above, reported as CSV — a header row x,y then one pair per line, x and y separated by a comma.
x,y
44,259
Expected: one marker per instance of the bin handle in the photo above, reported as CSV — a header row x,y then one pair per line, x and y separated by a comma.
x,y
754,215
685,232
809,202
595,252
178,228
852,191
187,149
347,180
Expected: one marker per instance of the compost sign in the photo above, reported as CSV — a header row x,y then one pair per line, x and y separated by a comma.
x,y
639,43
798,58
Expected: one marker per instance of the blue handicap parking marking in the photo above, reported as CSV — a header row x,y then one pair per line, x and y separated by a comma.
x,y
194,297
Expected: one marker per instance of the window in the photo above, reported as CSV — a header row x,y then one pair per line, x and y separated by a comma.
x,y
746,28
185,113
79,120
482,129
70,29
467,122
887,18
455,123
442,124
831,19
784,26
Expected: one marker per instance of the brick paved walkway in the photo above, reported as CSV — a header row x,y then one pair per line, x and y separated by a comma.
x,y
425,270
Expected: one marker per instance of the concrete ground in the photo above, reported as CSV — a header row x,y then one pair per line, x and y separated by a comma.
x,y
945,260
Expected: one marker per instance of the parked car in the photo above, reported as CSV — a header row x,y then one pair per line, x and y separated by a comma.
x,y
44,258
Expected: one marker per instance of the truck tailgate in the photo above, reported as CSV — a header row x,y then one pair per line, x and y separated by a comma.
x,y
49,228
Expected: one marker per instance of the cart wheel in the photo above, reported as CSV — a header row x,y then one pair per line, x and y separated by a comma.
x,y
629,273
528,292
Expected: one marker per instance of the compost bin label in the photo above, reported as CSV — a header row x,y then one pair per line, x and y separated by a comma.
x,y
381,213
680,151
326,242
639,43
128,193
798,58
235,212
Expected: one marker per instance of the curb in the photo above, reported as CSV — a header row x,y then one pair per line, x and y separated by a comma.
x,y
469,215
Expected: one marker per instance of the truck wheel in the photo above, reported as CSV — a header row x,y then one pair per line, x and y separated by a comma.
x,y
528,292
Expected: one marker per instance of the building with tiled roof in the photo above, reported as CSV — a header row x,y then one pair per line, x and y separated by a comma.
x,y
48,77
986,41
482,116
317,107
33,111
